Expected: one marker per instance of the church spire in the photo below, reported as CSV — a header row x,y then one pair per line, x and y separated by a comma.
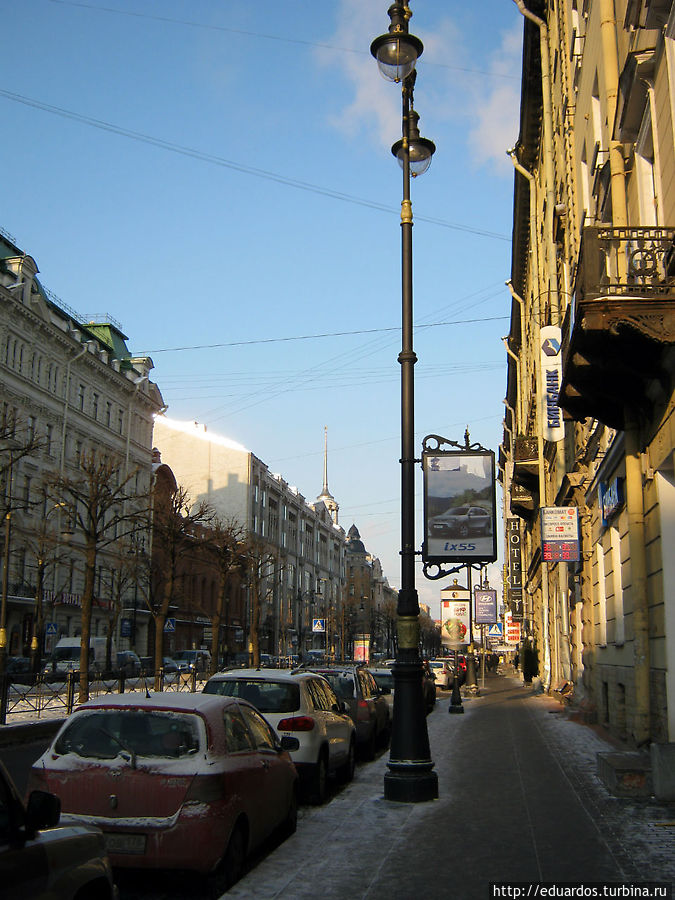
x,y
325,496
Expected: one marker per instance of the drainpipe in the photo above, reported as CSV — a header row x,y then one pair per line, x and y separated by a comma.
x,y
548,155
610,64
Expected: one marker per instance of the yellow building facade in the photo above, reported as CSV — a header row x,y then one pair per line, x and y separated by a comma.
x,y
590,422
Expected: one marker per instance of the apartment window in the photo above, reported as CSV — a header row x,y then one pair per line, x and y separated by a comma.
x,y
120,421
26,492
80,397
644,171
49,435
108,413
31,428
617,585
94,405
601,595
78,452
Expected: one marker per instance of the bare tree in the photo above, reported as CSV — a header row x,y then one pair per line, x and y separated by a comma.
x,y
260,570
227,546
102,509
177,525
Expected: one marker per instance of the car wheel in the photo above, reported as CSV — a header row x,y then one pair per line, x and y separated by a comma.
x,y
346,772
290,823
235,855
319,783
463,530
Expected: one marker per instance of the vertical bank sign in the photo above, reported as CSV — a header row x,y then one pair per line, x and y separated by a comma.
x,y
551,378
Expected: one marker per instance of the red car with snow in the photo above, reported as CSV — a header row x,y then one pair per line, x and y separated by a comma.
x,y
189,781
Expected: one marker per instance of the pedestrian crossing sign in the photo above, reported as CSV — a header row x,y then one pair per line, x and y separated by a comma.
x,y
496,630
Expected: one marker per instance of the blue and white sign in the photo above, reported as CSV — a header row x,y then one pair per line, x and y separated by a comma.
x,y
51,628
318,626
170,625
611,499
496,630
551,379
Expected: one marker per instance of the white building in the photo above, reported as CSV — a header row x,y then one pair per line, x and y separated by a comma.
x,y
305,536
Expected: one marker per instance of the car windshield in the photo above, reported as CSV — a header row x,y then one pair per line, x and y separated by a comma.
x,y
62,653
384,680
266,696
458,511
343,685
185,655
103,734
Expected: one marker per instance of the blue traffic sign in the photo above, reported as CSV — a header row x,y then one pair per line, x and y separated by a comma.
x,y
318,625
51,628
496,630
169,625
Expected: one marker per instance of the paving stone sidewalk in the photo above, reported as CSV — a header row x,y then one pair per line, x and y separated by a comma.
x,y
519,801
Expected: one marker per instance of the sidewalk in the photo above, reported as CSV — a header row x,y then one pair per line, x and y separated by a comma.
x,y
519,802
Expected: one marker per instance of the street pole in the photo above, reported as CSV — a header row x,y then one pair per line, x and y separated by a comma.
x,y
410,777
5,588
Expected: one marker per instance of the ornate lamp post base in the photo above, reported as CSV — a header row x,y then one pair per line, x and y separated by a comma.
x,y
411,783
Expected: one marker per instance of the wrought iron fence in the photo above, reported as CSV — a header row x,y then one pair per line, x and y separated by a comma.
x,y
32,697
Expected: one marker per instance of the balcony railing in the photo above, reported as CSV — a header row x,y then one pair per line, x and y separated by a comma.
x,y
621,324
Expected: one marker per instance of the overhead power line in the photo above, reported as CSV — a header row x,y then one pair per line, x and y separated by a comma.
x,y
268,37
231,164
311,337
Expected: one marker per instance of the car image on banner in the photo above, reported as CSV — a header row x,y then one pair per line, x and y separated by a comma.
x,y
459,506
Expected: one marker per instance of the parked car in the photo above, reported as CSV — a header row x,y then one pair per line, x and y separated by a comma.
x,y
368,707
128,663
428,687
193,661
18,665
441,669
461,667
461,521
169,665
302,705
384,678
41,861
180,780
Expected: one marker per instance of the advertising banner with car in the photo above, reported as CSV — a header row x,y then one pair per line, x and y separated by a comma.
x,y
459,506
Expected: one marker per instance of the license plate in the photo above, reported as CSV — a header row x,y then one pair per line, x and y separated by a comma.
x,y
125,843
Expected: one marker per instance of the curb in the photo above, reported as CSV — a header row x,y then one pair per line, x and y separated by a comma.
x,y
30,731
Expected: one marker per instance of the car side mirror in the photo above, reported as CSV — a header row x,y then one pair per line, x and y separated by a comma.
x,y
289,744
42,811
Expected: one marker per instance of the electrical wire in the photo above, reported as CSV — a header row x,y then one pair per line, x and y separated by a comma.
x,y
235,166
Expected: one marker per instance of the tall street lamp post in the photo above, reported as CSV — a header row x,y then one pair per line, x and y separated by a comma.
x,y
410,777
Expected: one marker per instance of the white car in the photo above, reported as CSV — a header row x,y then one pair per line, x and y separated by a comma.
x,y
442,671
304,706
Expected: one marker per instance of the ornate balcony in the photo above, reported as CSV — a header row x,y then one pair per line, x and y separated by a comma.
x,y
621,325
523,502
526,462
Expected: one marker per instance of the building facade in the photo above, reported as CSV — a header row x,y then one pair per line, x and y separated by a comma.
x,y
306,545
589,422
68,385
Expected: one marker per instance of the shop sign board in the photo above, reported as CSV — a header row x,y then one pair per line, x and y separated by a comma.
x,y
560,533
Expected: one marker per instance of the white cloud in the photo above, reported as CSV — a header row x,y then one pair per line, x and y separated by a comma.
x,y
497,108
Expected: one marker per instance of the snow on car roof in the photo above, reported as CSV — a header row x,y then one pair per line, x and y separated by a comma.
x,y
204,704
260,674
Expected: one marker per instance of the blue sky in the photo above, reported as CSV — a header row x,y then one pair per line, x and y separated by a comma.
x,y
217,176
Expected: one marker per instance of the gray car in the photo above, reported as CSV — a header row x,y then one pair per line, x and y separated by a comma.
x,y
368,706
39,860
461,521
